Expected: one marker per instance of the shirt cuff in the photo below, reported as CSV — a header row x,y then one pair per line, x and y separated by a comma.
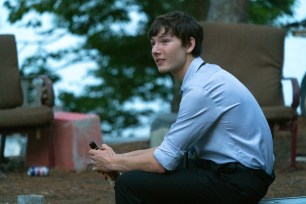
x,y
168,159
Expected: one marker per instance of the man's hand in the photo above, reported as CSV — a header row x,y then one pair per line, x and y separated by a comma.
x,y
106,160
102,158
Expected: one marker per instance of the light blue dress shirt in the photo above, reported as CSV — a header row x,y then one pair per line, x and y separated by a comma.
x,y
220,119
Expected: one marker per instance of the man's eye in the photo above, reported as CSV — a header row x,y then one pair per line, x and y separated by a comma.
x,y
165,41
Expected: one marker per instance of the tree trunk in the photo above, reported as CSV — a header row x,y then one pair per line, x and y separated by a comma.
x,y
228,11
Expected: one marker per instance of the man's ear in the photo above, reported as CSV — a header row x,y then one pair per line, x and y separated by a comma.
x,y
190,45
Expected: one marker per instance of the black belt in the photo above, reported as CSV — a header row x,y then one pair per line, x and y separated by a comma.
x,y
257,172
235,166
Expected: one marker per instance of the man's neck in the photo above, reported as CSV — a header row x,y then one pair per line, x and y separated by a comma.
x,y
181,72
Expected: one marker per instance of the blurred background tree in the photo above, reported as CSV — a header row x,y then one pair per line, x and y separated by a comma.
x,y
125,72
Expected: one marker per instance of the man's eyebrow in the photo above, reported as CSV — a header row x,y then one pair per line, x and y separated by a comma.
x,y
166,34
161,35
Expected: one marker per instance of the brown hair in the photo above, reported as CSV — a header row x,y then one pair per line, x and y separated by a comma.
x,y
182,26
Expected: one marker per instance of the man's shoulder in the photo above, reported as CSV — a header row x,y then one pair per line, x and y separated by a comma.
x,y
203,75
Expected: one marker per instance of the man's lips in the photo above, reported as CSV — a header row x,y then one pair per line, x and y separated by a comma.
x,y
159,61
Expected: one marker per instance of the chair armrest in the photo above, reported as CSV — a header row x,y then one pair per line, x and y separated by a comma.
x,y
47,95
295,91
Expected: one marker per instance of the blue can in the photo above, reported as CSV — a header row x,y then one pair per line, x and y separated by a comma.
x,y
38,171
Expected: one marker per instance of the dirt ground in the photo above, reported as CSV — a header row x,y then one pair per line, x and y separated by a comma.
x,y
88,187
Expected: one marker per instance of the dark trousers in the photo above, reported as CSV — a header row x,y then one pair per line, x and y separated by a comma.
x,y
205,182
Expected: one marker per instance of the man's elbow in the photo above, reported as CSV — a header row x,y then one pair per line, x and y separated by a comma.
x,y
162,170
159,168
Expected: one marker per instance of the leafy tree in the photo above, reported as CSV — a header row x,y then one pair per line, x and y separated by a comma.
x,y
125,69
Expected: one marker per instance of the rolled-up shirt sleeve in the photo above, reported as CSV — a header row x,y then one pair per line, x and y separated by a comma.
x,y
168,155
197,113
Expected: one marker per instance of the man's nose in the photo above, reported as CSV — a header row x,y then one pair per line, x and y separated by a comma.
x,y
155,49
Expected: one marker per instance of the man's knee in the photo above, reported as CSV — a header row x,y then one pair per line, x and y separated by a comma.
x,y
125,189
126,182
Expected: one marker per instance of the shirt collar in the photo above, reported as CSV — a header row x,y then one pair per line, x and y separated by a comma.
x,y
192,69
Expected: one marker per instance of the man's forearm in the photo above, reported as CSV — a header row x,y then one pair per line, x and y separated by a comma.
x,y
137,152
138,160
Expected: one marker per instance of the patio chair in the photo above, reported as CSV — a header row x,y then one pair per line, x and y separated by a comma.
x,y
15,117
255,54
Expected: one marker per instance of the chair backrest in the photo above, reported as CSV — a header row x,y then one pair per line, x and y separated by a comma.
x,y
10,86
252,53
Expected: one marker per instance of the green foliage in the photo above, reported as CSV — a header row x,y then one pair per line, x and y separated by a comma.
x,y
266,11
125,68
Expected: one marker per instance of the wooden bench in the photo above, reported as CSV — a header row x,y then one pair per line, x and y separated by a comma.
x,y
286,200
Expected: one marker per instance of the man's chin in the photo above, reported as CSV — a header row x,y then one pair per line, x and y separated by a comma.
x,y
162,70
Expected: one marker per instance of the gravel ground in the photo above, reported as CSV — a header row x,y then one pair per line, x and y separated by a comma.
x,y
89,187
